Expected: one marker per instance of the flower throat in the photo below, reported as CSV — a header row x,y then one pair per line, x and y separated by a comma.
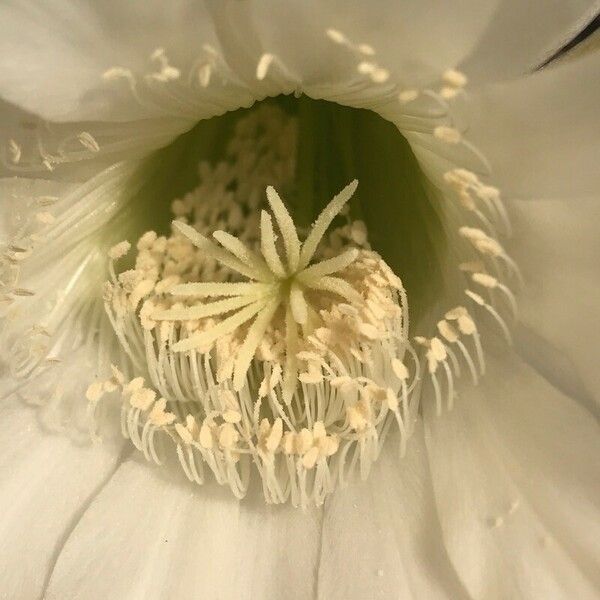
x,y
331,145
257,351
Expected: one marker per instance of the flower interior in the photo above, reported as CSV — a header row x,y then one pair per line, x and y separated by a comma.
x,y
266,295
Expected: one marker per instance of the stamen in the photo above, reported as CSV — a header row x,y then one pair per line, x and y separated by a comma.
x,y
407,96
15,151
265,64
454,78
88,141
298,367
490,282
481,302
274,345
336,36
447,134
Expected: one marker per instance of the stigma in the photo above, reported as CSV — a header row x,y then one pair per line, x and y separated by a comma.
x,y
248,350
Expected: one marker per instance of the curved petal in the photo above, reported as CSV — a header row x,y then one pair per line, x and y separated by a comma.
x,y
49,53
55,338
521,36
557,245
382,538
541,133
46,481
31,147
54,55
147,535
516,473
412,40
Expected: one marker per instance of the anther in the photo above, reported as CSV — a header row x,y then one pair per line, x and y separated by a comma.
x,y
454,78
88,141
406,96
449,135
15,151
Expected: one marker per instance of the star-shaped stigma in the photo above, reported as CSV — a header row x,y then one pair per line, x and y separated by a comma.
x,y
272,283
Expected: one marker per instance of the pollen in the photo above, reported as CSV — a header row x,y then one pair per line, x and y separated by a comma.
x,y
447,134
245,344
249,348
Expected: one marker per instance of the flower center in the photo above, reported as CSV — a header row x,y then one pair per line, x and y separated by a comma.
x,y
295,365
327,145
261,326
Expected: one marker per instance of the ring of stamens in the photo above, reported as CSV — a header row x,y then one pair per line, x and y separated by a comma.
x,y
293,358
306,412
257,349
201,374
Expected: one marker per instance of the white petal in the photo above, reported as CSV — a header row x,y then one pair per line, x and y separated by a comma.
x,y
76,151
147,535
53,55
46,350
541,133
522,35
46,481
411,40
54,220
18,201
557,246
382,538
515,472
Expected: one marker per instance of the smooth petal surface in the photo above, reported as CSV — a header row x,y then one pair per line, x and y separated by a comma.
x,y
381,538
557,245
411,39
46,481
42,49
516,477
178,541
541,133
521,36
54,55
26,142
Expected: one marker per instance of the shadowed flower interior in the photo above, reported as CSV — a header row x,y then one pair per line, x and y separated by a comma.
x,y
261,323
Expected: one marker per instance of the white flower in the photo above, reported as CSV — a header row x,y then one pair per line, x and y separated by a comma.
x,y
301,375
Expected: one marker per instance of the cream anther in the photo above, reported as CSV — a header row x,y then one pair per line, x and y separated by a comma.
x,y
15,151
446,134
337,36
454,78
380,75
166,72
366,49
117,73
447,93
366,68
254,349
88,141
406,96
266,60
485,280
119,250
